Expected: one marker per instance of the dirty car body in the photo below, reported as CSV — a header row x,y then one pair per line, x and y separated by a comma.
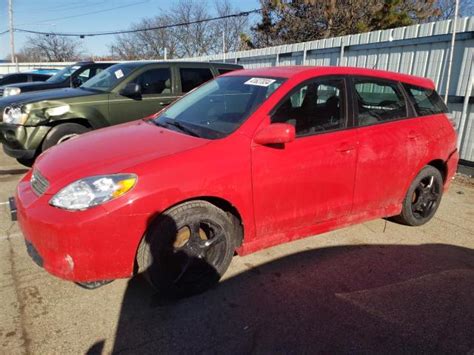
x,y
285,152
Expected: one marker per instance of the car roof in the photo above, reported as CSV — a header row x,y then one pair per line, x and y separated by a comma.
x,y
152,62
302,70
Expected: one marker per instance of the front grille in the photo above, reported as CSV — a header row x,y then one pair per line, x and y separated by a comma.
x,y
39,184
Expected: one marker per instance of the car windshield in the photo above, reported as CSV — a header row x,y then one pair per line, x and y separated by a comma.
x,y
63,74
219,107
109,78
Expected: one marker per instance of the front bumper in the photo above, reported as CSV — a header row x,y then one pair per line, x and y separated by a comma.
x,y
22,142
81,246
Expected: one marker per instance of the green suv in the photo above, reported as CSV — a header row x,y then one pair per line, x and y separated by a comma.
x,y
34,122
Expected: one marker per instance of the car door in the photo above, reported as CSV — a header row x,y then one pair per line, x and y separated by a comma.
x,y
388,133
311,179
157,92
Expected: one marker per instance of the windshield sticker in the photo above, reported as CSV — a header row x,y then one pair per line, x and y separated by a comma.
x,y
75,67
118,73
260,82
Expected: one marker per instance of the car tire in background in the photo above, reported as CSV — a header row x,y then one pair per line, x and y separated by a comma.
x,y
26,162
423,198
187,249
61,133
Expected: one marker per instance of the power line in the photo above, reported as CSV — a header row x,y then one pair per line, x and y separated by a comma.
x,y
136,30
88,13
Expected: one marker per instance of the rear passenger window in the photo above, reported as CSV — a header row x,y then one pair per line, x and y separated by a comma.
x,y
315,107
155,81
426,101
192,77
378,101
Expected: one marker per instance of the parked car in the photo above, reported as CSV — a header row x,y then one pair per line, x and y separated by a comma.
x,y
35,122
249,160
71,76
17,78
47,71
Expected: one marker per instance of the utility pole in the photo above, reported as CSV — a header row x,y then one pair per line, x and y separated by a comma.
x,y
451,52
223,46
12,37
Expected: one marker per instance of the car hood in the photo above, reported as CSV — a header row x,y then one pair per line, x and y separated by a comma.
x,y
36,96
111,150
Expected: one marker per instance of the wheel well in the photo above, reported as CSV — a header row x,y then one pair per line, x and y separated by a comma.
x,y
441,166
81,121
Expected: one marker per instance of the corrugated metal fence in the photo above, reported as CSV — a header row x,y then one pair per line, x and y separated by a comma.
x,y
420,50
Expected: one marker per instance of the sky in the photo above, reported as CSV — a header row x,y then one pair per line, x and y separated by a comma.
x,y
79,16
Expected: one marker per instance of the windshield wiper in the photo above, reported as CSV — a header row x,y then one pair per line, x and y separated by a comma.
x,y
181,127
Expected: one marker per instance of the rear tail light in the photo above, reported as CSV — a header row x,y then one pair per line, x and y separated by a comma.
x,y
451,119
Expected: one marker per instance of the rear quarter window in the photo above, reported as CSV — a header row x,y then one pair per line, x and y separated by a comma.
x,y
426,101
193,77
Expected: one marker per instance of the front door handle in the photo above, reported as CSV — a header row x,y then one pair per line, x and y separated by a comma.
x,y
412,135
345,148
162,103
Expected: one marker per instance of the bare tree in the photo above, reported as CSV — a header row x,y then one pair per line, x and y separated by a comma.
x,y
51,48
195,37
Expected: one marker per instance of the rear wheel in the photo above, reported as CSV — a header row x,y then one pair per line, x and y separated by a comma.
x,y
187,249
61,133
423,198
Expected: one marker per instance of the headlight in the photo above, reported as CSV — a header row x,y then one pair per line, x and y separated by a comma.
x,y
93,191
57,111
10,91
14,115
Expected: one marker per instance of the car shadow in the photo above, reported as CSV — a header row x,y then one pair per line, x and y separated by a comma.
x,y
349,299
13,171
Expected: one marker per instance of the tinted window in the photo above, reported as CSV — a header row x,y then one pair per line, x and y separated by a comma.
x,y
192,77
426,101
155,81
39,77
378,101
218,107
314,107
12,79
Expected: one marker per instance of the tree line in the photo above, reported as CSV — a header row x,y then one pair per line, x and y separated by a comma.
x,y
279,22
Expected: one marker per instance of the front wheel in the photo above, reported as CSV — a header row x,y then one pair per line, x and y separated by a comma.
x,y
187,249
423,198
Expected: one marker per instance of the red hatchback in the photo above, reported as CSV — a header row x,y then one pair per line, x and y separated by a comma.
x,y
251,159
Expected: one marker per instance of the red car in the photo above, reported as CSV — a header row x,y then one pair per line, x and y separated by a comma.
x,y
249,160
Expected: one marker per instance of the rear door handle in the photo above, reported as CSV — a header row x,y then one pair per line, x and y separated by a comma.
x,y
345,148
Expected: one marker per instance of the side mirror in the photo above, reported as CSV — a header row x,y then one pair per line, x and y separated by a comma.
x,y
276,133
76,82
131,90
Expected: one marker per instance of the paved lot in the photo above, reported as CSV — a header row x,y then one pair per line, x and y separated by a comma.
x,y
372,288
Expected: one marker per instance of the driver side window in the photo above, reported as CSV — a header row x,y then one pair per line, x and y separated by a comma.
x,y
314,107
155,81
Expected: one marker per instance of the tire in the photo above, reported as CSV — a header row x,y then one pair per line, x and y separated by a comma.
x,y
26,162
61,133
177,254
423,198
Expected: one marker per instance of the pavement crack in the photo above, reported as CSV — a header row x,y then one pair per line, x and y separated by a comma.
x,y
19,299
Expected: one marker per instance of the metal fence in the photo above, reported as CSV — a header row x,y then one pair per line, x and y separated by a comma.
x,y
421,50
